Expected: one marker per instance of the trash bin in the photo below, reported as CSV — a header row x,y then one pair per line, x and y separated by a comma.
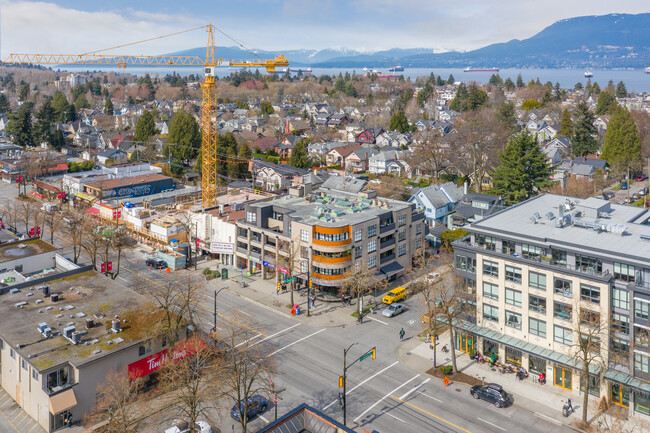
x,y
298,311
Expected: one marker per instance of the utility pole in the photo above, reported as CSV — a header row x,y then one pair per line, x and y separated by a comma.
x,y
216,292
345,367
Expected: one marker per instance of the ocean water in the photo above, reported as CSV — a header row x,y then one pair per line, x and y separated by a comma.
x,y
635,80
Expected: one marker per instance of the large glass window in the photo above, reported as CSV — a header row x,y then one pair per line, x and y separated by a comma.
x,y
537,327
487,242
642,362
401,250
531,252
418,229
57,378
620,351
490,291
594,384
537,304
641,336
642,403
563,377
620,299
513,319
326,271
513,356
513,297
332,237
357,235
623,272
513,274
641,309
558,257
401,220
466,263
304,235
562,311
401,235
562,287
537,280
562,335
536,365
490,268
590,265
620,323
251,217
372,246
490,313
372,262
508,247
372,231
358,251
590,293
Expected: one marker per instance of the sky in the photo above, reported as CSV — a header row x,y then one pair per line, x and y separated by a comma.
x,y
75,26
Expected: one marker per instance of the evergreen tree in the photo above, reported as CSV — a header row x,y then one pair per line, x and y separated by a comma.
x,y
399,122
5,107
520,81
622,144
477,98
596,89
71,113
621,91
508,84
584,131
61,107
459,103
45,119
300,156
81,102
451,79
266,108
606,102
232,166
23,93
56,139
566,124
351,91
523,170
507,116
108,107
244,153
530,104
145,128
20,125
186,134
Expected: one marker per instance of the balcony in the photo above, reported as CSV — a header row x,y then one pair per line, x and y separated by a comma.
x,y
387,258
417,216
386,243
332,260
386,228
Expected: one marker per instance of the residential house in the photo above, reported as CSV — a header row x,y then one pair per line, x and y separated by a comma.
x,y
338,121
302,126
393,139
369,135
4,121
274,177
111,156
337,155
353,130
600,122
357,161
473,207
122,142
553,155
264,144
320,149
378,163
162,127
437,201
561,143
399,167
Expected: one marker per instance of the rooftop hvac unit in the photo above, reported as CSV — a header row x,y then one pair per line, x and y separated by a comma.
x,y
89,322
68,330
54,297
116,325
45,289
76,337
42,326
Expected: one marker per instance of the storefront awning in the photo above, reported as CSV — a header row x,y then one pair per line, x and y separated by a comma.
x,y
391,269
93,210
62,401
86,197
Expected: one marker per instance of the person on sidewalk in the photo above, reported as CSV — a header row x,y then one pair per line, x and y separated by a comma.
x,y
401,335
570,405
313,302
428,340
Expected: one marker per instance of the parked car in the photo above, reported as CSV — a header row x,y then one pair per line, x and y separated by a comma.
x,y
156,263
493,393
641,177
184,427
623,185
394,309
256,405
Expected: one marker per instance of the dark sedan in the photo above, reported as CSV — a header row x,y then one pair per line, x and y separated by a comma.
x,y
156,263
256,405
492,393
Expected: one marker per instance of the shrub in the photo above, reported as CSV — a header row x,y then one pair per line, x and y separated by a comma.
x,y
446,369
207,271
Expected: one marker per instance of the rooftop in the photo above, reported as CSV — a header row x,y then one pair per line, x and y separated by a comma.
x,y
592,224
22,249
82,296
116,183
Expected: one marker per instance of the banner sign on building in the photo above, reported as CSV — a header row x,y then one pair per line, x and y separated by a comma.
x,y
222,247
268,265
284,270
148,365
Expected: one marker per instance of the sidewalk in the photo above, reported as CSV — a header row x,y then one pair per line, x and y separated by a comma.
x,y
545,401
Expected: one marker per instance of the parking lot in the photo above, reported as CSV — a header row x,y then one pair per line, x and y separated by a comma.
x,y
13,419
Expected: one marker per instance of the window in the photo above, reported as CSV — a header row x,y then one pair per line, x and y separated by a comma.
x,y
537,304
641,309
508,247
620,351
490,313
513,320
304,267
536,280
487,242
490,291
591,342
277,215
562,311
57,378
537,327
357,235
590,293
304,235
372,231
531,252
332,238
620,323
12,353
326,271
513,356
513,297
562,335
401,250
562,287
2,344
372,246
589,318
623,272
24,364
590,265
402,235
490,268
620,299
642,403
304,252
401,220
251,217
558,257
466,263
641,336
358,251
642,363
35,375
372,261
513,274
418,229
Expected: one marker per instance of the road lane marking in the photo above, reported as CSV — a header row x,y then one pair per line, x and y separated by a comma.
x,y
488,422
430,414
415,388
382,399
427,395
123,279
243,312
295,342
35,425
246,341
276,334
548,418
371,377
385,412
263,419
377,320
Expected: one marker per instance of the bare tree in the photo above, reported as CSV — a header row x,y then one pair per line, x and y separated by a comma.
x,y
73,228
50,220
92,240
430,153
248,369
358,282
28,211
119,404
290,262
176,303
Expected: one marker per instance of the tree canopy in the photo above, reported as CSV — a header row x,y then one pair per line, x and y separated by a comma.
x,y
145,128
584,131
299,155
108,107
185,133
566,124
622,144
20,125
530,104
606,102
523,170
399,122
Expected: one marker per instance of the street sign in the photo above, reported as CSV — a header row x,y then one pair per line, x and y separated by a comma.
x,y
365,356
446,381
288,280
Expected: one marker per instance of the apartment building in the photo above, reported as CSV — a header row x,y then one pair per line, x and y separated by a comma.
x,y
325,234
546,270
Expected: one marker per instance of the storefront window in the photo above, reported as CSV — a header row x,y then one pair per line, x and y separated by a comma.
x,y
489,348
536,365
620,395
513,356
642,403
563,377
594,385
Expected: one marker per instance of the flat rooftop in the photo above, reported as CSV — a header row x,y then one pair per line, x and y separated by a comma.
x,y
590,224
23,249
334,208
127,181
82,296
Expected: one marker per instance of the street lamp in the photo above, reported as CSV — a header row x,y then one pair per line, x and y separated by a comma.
x,y
216,292
434,336
345,352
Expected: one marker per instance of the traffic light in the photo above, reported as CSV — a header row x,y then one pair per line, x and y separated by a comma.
x,y
374,352
311,283
341,379
198,243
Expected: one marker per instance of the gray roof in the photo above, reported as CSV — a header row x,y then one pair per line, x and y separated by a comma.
x,y
596,163
344,183
283,169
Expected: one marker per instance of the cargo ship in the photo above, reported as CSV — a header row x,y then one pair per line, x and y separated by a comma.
x,y
397,68
470,69
589,74
647,70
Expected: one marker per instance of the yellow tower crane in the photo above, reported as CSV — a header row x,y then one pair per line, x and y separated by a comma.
x,y
209,106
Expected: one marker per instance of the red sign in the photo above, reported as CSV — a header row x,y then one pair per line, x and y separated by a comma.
x,y
117,214
38,230
103,267
109,266
32,232
19,179
60,195
283,270
198,243
155,362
